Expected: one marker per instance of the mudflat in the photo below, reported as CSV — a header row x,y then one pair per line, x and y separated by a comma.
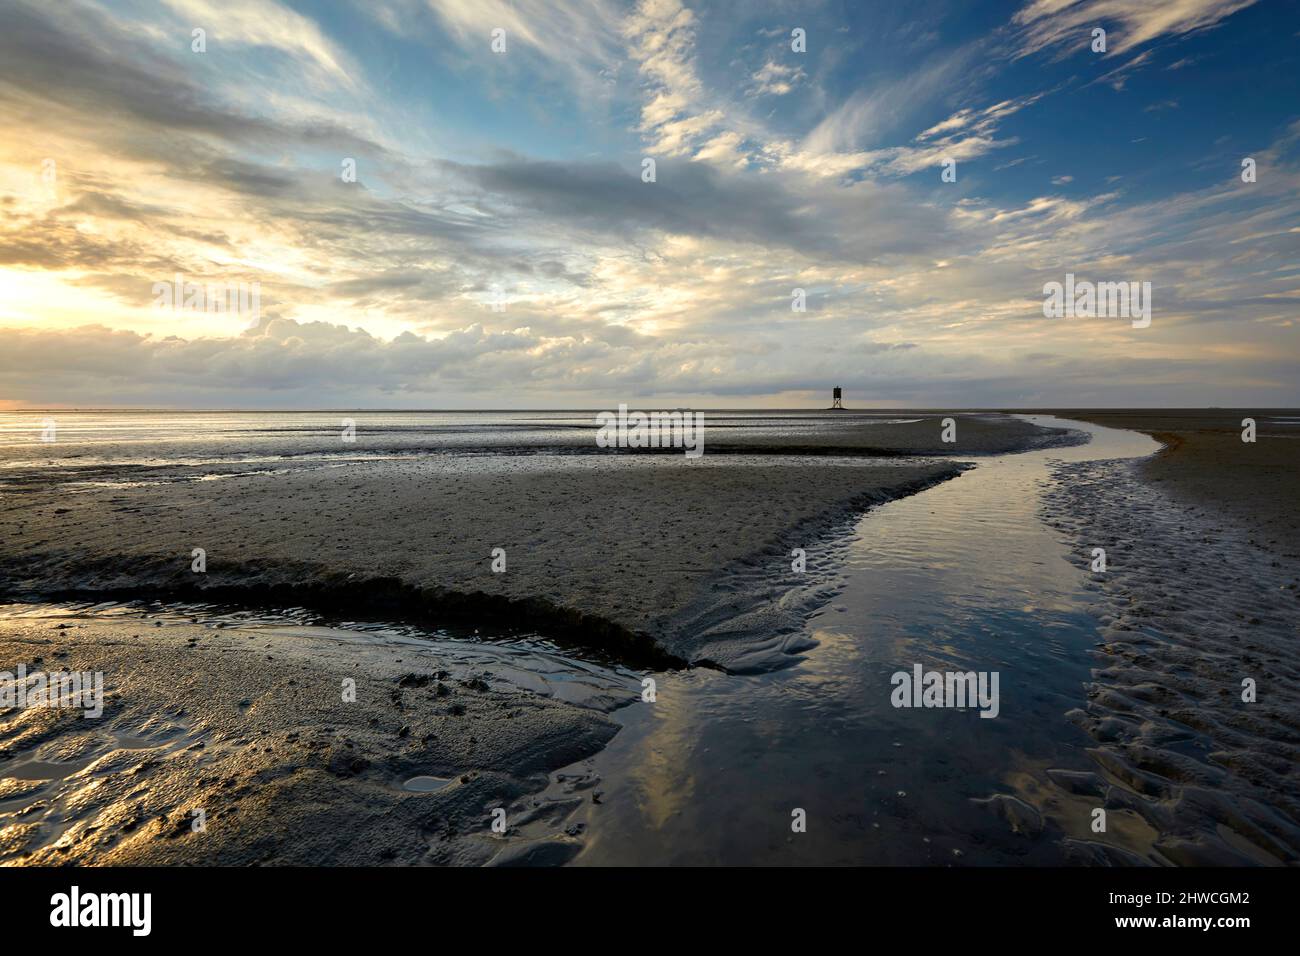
x,y
647,561
251,726
1206,464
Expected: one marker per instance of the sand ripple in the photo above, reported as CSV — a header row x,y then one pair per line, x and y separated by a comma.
x,y
1190,607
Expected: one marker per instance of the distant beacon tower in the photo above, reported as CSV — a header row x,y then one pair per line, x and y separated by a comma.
x,y
836,394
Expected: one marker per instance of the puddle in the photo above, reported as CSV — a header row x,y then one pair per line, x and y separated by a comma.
x,y
46,769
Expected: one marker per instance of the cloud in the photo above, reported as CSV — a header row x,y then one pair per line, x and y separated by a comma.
x,y
660,36
864,118
285,364
1128,23
775,79
88,74
268,25
815,218
578,39
965,135
225,169
1118,77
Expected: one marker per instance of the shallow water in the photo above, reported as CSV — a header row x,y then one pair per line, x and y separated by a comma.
x,y
962,577
90,441
525,660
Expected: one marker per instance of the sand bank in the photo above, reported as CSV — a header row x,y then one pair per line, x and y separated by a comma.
x,y
608,549
909,433
1201,594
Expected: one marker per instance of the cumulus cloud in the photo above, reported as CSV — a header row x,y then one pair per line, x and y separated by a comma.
x,y
776,79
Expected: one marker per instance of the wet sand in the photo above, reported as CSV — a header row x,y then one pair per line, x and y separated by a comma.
x,y
1207,466
637,554
250,726
1202,591
608,550
618,550
916,433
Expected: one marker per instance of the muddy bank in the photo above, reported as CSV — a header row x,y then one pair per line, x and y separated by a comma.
x,y
1207,466
1198,596
617,546
250,726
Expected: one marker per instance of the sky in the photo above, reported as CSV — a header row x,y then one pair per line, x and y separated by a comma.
x,y
444,203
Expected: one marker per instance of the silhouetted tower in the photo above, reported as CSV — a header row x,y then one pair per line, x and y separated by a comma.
x,y
836,394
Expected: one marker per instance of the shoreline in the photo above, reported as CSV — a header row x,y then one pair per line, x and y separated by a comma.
x,y
272,585
608,552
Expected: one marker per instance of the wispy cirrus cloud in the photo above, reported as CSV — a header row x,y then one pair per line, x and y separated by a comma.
x,y
1129,23
660,36
578,40
269,25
